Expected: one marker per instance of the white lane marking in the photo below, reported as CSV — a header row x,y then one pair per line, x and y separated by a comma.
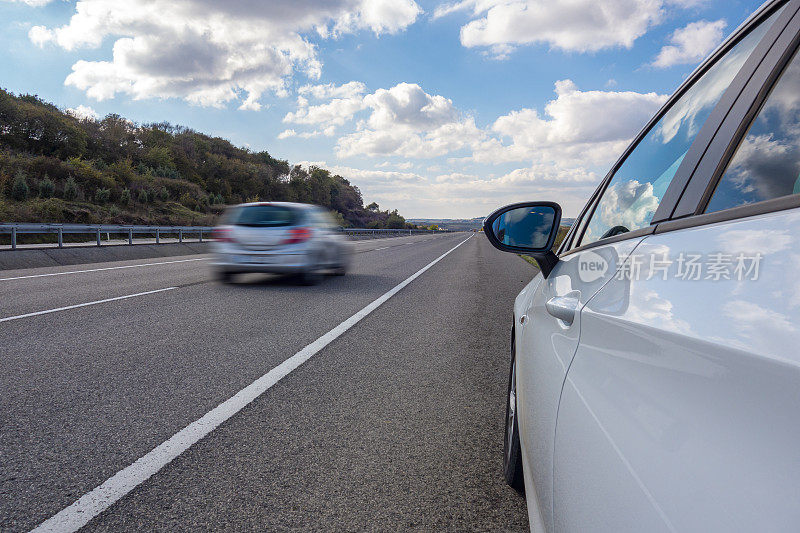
x,y
384,248
26,315
104,268
102,497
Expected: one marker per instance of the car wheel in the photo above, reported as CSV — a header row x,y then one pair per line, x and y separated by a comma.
x,y
512,453
224,276
341,268
309,277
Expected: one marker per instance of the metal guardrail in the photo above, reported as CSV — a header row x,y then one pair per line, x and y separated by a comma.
x,y
16,229
371,232
98,229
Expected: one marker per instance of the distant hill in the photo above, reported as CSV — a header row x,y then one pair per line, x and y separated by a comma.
x,y
453,224
463,224
55,167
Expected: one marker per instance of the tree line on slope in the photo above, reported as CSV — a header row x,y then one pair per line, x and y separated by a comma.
x,y
56,167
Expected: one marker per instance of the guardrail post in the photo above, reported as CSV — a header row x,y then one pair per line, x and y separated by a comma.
x,y
60,237
98,236
180,235
158,237
201,236
130,236
13,238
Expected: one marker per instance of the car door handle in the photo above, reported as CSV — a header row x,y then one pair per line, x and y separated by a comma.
x,y
564,307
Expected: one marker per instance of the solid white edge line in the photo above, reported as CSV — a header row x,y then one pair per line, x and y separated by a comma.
x,y
101,269
104,496
26,315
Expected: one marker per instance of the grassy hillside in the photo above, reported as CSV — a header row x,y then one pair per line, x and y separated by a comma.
x,y
57,168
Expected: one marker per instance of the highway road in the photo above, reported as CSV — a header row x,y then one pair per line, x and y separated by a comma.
x,y
142,395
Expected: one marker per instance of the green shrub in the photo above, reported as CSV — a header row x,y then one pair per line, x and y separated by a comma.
x,y
163,194
187,200
102,196
46,187
20,189
125,197
142,198
70,189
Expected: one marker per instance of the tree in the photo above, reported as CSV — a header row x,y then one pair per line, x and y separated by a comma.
x,y
154,162
46,187
395,221
70,189
102,196
20,190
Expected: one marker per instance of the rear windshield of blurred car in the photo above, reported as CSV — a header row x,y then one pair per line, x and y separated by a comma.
x,y
263,216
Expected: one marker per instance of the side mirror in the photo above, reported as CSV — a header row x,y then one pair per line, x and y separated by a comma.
x,y
526,228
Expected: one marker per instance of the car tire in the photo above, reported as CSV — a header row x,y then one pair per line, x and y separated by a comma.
x,y
341,268
224,276
309,277
512,451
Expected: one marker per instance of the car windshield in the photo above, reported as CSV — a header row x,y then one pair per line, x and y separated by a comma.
x,y
271,216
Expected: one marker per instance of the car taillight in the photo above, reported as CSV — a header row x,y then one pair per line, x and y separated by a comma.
x,y
222,235
297,235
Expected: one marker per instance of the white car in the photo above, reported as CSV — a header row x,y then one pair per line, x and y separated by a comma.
x,y
279,238
655,367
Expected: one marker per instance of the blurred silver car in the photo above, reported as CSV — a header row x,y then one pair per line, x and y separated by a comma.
x,y
279,238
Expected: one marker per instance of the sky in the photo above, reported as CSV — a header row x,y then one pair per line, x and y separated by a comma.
x,y
437,109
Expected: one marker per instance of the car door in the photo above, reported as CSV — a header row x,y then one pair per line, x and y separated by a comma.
x,y
545,344
548,319
679,410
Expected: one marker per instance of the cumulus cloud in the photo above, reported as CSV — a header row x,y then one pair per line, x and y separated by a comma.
x,y
691,43
32,3
83,112
211,53
628,203
402,121
366,176
344,102
329,90
587,128
573,25
565,148
408,122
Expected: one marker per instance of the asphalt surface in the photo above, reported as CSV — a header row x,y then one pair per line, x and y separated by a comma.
x,y
397,424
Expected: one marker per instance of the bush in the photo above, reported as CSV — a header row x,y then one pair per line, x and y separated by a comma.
x,y
163,194
20,190
70,189
102,196
46,187
142,198
125,197
187,200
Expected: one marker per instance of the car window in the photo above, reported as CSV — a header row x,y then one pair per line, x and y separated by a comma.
x,y
266,216
634,192
579,224
767,163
